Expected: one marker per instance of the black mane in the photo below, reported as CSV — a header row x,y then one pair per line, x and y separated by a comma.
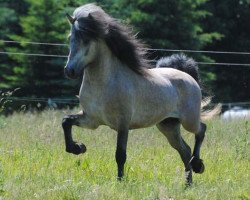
x,y
118,37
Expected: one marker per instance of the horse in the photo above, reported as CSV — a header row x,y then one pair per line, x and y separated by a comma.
x,y
123,90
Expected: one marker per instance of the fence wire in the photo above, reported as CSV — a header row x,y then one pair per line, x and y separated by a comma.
x,y
75,101
148,49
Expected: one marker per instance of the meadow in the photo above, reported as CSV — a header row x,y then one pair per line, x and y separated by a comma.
x,y
34,164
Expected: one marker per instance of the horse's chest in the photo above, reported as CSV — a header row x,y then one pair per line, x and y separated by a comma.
x,y
102,105
94,102
91,101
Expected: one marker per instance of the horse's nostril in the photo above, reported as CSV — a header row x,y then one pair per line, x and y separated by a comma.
x,y
69,72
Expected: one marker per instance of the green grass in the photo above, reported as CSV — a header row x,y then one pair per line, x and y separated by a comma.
x,y
34,164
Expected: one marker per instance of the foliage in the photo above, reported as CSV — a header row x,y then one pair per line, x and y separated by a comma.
x,y
36,166
168,24
172,25
230,18
9,19
5,98
41,76
182,24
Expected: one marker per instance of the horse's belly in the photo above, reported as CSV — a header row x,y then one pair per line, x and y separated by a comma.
x,y
154,106
152,117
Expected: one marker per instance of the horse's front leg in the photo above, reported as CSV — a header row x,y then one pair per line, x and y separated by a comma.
x,y
121,148
67,123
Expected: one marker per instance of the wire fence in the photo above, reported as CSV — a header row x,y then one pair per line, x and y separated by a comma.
x,y
32,43
49,101
148,49
154,61
32,54
74,101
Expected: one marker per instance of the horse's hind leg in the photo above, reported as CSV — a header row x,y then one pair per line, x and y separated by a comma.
x,y
196,162
171,129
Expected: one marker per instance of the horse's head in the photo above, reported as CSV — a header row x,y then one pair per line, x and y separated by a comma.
x,y
91,29
83,43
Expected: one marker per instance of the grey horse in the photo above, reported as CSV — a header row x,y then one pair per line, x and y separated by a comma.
x,y
122,90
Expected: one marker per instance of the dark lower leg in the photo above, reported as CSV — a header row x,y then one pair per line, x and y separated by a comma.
x,y
171,129
120,160
120,154
71,146
185,154
196,162
198,140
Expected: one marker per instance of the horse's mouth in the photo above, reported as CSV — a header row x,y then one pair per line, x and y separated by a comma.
x,y
72,74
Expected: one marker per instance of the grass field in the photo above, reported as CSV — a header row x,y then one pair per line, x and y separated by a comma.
x,y
34,165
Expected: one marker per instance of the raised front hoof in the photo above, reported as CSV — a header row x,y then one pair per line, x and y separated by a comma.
x,y
197,165
76,148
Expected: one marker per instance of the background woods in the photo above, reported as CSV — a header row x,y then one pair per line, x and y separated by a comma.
x,y
33,53
214,25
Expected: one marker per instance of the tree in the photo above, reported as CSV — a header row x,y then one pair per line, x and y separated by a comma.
x,y
9,12
42,76
170,24
231,18
182,24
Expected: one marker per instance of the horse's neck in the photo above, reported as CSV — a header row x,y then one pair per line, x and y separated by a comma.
x,y
106,67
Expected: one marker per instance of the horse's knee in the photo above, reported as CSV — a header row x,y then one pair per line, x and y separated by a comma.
x,y
80,120
66,122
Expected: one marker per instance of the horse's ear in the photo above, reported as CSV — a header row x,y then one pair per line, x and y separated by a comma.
x,y
95,15
90,16
70,18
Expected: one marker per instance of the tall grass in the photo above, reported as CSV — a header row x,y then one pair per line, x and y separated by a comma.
x,y
34,164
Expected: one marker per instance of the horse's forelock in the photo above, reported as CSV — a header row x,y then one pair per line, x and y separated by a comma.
x,y
85,10
93,23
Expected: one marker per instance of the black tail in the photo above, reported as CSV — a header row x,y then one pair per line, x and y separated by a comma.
x,y
182,63
189,66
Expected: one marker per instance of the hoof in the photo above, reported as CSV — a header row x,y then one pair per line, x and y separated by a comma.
x,y
197,165
189,179
76,148
188,185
